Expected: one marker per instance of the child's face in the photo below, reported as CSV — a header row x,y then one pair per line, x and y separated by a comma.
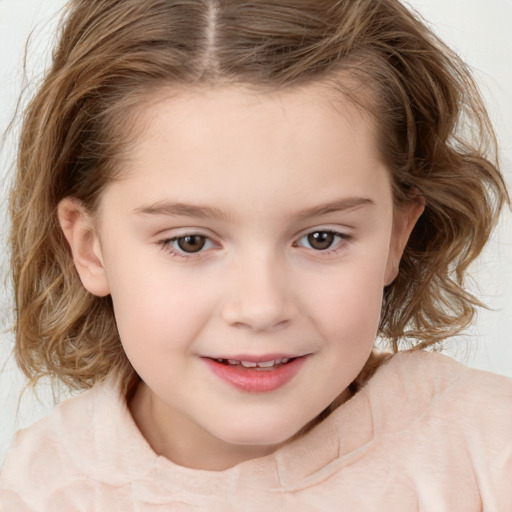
x,y
289,217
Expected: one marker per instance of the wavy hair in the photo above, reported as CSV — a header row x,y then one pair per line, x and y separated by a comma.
x,y
112,55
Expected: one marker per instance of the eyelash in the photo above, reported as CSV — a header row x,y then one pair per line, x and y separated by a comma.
x,y
333,247
167,243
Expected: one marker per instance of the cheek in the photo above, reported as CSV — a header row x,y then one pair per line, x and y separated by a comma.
x,y
348,307
356,310
155,309
350,319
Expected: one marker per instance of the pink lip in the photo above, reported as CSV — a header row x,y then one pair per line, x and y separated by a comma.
x,y
255,380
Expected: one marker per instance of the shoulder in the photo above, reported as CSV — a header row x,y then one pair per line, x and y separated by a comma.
x,y
426,383
52,453
448,419
427,375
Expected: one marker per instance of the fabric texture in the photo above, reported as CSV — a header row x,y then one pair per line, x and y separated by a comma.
x,y
425,434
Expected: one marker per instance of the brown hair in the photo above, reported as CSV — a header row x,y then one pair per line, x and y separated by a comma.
x,y
112,54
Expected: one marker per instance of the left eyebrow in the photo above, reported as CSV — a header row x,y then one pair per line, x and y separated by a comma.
x,y
178,209
347,203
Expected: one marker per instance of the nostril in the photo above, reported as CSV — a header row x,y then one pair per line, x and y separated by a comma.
x,y
262,306
261,327
282,324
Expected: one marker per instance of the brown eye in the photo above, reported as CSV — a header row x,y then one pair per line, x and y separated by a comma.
x,y
191,243
321,240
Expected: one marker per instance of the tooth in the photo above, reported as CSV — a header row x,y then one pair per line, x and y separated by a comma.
x,y
266,364
284,360
248,364
233,361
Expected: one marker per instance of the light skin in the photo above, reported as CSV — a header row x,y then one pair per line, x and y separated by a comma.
x,y
293,238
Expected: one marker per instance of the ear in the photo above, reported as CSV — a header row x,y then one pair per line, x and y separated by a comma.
x,y
405,219
79,230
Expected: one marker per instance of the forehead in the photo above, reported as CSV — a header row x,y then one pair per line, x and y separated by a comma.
x,y
198,144
210,121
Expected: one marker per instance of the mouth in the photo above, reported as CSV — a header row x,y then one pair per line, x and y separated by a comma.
x,y
256,374
258,365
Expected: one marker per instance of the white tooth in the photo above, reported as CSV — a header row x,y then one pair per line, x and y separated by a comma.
x,y
233,361
266,364
248,364
284,360
220,360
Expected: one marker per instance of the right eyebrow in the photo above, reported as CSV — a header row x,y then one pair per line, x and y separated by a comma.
x,y
177,209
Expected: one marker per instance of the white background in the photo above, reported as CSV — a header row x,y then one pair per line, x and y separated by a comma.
x,y
479,30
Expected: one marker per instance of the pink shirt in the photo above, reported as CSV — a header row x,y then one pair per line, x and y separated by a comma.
x,y
425,434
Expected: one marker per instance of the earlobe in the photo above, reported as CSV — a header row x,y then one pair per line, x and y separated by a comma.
x,y
79,231
405,219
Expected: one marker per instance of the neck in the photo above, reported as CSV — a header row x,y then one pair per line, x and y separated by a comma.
x,y
183,442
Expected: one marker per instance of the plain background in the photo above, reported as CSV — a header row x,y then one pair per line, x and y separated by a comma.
x,y
478,30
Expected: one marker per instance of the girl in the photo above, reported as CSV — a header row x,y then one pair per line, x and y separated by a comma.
x,y
219,206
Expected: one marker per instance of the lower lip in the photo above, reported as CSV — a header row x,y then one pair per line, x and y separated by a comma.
x,y
253,380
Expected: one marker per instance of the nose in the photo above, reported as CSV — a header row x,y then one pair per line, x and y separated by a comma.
x,y
259,296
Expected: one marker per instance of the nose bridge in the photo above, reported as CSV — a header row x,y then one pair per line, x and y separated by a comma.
x,y
259,297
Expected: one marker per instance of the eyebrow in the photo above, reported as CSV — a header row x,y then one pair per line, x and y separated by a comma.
x,y
182,210
177,209
349,203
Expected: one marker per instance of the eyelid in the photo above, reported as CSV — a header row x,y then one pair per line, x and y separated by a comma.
x,y
343,231
166,244
343,236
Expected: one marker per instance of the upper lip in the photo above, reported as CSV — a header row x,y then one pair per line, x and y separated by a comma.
x,y
255,358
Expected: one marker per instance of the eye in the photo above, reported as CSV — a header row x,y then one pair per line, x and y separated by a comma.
x,y
191,243
186,245
322,240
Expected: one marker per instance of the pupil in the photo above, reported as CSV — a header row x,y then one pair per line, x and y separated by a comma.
x,y
192,243
321,240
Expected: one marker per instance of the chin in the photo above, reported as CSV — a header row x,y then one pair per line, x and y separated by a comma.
x,y
260,433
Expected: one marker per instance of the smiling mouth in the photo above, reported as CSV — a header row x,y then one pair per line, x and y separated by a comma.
x,y
260,365
252,376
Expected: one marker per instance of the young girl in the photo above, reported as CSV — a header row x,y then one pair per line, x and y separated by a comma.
x,y
219,206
